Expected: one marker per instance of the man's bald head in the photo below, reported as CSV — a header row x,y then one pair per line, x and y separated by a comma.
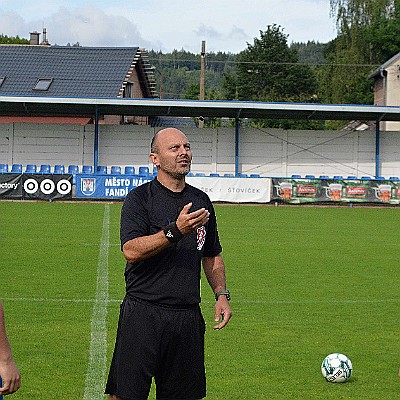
x,y
166,132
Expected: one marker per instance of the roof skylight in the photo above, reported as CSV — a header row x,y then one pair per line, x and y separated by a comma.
x,y
43,84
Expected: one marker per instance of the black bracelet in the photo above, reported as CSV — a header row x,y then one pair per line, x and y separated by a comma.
x,y
172,233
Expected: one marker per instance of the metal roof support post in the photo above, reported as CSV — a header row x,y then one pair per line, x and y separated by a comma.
x,y
96,141
237,124
377,150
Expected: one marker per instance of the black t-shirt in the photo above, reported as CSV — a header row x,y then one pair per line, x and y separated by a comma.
x,y
172,276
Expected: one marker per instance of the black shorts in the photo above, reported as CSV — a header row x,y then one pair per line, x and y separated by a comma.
x,y
161,342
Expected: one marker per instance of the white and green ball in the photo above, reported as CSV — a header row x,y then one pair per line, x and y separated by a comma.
x,y
336,368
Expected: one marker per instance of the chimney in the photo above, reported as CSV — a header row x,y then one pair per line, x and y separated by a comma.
x,y
34,39
45,42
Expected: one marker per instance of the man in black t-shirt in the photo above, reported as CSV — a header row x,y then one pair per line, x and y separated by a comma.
x,y
168,229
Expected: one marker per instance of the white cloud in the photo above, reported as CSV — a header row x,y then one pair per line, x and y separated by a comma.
x,y
12,24
92,27
226,25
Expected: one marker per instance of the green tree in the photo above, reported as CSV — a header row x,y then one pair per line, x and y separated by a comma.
x,y
4,39
311,53
268,70
368,35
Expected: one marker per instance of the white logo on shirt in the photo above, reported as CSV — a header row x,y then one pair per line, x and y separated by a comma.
x,y
201,237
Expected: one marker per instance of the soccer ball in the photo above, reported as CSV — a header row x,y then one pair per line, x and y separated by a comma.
x,y
336,368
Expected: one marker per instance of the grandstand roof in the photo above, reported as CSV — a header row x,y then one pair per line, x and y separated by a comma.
x,y
58,106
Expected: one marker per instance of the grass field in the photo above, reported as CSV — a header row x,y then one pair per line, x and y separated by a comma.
x,y
305,282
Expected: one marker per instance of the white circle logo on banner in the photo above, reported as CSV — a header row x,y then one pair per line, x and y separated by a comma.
x,y
31,186
47,186
64,186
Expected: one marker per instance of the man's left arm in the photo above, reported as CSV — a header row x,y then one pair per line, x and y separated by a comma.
x,y
214,269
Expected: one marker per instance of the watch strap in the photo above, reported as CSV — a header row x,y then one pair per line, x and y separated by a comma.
x,y
224,292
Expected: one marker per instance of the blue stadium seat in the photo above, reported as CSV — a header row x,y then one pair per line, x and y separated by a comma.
x,y
30,168
310,176
365,178
16,169
73,169
199,174
144,171
352,178
44,169
255,176
338,177
3,168
59,169
115,169
394,178
323,177
129,170
102,169
214,174
380,178
240,175
296,176
229,175
87,169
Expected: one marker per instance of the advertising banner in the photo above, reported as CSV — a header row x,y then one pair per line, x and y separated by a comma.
x,y
46,187
106,186
234,190
35,186
296,191
10,186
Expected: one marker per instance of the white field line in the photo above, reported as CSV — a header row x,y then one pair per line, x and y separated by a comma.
x,y
55,300
239,301
96,372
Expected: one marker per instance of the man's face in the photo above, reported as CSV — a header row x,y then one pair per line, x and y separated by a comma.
x,y
173,155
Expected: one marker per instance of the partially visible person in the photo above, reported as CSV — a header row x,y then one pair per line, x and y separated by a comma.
x,y
8,370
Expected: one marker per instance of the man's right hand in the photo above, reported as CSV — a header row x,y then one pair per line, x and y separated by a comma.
x,y
189,222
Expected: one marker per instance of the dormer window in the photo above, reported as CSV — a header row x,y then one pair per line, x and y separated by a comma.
x,y
43,84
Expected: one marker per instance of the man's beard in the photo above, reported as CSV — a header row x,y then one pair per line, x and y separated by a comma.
x,y
179,172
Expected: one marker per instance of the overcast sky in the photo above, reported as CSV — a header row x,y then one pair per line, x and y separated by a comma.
x,y
225,25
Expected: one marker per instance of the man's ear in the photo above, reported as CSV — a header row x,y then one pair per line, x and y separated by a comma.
x,y
154,159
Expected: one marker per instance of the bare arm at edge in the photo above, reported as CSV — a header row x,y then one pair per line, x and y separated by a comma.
x,y
8,370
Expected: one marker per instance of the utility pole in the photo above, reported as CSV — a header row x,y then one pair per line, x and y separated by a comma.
x,y
202,70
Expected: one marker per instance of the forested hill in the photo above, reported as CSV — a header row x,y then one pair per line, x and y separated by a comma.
x,y
178,73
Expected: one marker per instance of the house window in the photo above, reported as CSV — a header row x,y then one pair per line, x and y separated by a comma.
x,y
128,90
43,84
2,79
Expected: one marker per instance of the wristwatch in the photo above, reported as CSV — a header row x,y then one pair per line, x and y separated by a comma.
x,y
224,292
